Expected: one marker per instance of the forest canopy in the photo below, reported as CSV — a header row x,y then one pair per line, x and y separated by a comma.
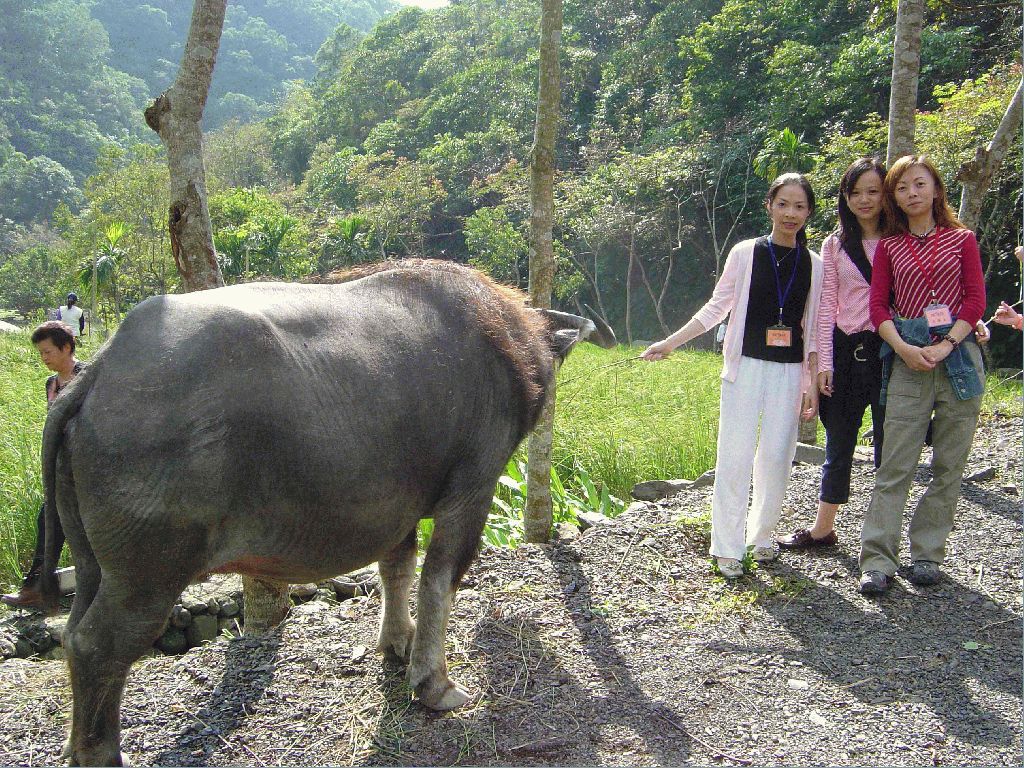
x,y
412,136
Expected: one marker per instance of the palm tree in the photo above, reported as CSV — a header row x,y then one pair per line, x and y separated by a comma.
x,y
104,268
784,152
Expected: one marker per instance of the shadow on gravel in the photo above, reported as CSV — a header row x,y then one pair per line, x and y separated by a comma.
x,y
248,671
661,727
945,646
997,502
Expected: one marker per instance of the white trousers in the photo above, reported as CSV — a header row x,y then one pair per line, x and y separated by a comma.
x,y
765,395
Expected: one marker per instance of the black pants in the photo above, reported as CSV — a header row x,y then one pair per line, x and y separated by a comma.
x,y
57,544
856,380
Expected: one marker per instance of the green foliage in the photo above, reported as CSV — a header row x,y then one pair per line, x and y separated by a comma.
x,y
32,189
784,152
256,237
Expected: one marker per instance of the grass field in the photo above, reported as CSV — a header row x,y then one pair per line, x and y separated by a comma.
x,y
618,421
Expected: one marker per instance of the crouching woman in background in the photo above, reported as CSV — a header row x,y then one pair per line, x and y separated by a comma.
x,y
927,294
770,287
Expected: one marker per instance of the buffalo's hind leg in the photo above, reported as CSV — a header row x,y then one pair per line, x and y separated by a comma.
x,y
458,522
100,649
397,570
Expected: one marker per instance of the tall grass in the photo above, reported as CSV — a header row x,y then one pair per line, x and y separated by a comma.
x,y
629,420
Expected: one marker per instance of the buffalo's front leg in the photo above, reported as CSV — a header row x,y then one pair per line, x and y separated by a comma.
x,y
397,570
458,523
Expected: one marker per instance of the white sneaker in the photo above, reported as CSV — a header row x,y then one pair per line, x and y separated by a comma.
x,y
729,567
764,554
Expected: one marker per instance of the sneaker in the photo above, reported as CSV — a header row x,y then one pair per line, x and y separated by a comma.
x,y
874,583
802,539
924,573
764,554
729,567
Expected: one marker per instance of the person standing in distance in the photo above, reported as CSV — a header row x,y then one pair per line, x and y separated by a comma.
x,y
770,289
72,315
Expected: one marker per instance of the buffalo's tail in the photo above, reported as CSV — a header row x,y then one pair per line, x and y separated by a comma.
x,y
62,410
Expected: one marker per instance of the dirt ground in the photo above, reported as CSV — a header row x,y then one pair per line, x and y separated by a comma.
x,y
618,647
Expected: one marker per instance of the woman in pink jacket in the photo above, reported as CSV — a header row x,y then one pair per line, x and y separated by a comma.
x,y
770,288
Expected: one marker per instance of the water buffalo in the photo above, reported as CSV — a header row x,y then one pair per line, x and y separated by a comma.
x,y
290,432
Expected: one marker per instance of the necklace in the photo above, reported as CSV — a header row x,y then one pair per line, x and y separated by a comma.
x,y
924,235
783,257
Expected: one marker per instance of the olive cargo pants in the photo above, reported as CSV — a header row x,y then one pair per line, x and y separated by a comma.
x,y
912,398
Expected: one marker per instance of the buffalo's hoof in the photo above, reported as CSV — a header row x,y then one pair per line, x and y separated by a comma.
x,y
442,697
396,645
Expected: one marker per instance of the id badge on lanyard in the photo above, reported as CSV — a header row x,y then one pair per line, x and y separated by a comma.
x,y
781,335
936,313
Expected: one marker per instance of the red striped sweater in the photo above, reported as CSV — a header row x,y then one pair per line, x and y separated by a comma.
x,y
948,263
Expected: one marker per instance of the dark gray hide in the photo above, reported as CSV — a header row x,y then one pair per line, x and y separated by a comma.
x,y
290,432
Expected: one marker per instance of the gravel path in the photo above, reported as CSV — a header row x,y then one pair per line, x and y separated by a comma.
x,y
618,647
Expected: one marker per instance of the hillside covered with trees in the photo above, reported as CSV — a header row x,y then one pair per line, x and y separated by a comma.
x,y
415,138
75,76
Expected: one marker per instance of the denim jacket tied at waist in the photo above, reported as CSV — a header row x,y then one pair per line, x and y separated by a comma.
x,y
963,377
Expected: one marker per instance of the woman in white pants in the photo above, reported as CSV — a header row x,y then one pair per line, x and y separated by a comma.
x,y
770,288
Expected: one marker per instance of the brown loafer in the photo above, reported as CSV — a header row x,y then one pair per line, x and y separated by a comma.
x,y
27,597
803,539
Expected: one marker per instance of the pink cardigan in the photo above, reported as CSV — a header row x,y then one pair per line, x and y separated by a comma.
x,y
730,298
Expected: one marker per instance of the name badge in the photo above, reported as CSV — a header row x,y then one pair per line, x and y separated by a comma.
x,y
937,314
778,336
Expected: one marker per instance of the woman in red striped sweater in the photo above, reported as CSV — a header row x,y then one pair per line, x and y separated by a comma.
x,y
927,294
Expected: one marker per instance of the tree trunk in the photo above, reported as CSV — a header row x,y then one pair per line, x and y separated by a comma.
x,y
177,116
976,175
906,66
538,514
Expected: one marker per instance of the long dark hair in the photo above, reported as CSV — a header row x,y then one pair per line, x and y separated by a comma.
x,y
850,233
801,181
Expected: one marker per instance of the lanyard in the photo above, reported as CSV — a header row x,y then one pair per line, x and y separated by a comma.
x,y
930,272
792,275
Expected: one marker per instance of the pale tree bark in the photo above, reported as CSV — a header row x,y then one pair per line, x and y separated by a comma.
x,y
177,116
976,175
538,514
906,67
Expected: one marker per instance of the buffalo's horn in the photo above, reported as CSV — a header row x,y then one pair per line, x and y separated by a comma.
x,y
595,331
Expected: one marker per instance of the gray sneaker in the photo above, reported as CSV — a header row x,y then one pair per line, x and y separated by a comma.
x,y
924,573
874,583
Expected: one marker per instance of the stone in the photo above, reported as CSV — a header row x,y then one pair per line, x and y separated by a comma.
x,y
1010,489
345,588
173,641
566,531
56,653
708,478
229,608
302,591
203,629
987,473
652,490
180,617
55,626
228,624
193,604
809,454
213,605
8,648
592,520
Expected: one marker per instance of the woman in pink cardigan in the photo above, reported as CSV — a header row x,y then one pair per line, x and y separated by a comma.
x,y
770,288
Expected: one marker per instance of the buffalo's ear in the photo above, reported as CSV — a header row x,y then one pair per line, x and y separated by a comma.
x,y
567,330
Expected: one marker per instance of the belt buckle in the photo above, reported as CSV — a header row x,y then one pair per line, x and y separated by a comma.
x,y
856,354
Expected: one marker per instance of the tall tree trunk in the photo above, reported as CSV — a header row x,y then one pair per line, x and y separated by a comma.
x,y
906,66
538,514
976,175
177,116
